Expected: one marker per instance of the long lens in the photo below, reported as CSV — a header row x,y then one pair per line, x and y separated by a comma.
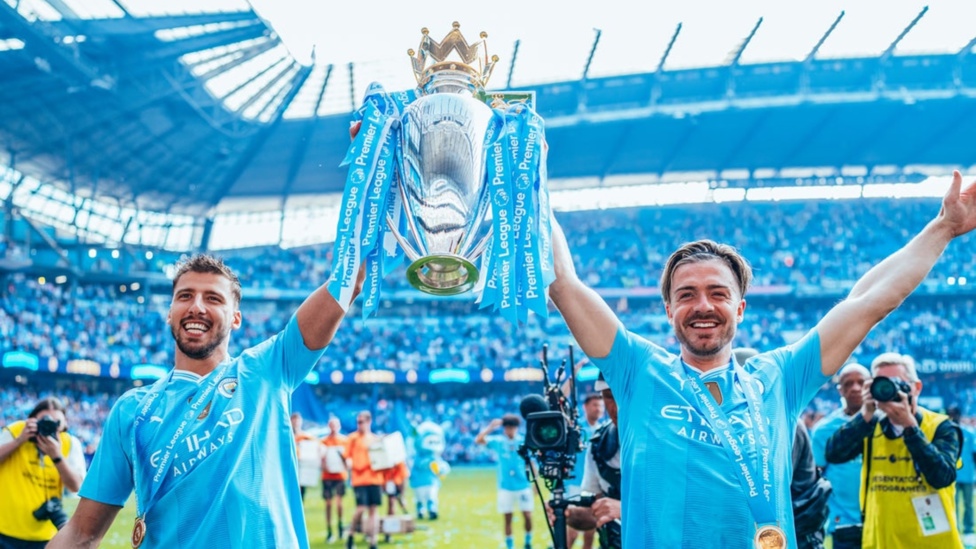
x,y
545,430
883,389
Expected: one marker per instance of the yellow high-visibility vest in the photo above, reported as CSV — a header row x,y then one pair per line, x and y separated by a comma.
x,y
889,481
28,479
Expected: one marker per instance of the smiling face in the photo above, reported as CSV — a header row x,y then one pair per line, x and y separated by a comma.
x,y
202,314
705,307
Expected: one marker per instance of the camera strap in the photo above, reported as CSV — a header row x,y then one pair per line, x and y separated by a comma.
x,y
755,476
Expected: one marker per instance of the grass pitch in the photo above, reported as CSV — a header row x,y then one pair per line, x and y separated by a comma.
x,y
468,518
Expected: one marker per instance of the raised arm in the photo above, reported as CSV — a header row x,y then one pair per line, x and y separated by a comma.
x,y
482,437
87,526
588,316
320,314
883,288
571,380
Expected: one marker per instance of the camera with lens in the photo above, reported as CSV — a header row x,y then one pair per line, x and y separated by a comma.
x,y
553,440
46,427
552,433
885,389
52,510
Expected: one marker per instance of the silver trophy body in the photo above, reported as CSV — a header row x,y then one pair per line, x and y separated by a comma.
x,y
442,185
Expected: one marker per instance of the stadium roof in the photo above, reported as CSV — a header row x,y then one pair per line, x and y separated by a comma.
x,y
196,107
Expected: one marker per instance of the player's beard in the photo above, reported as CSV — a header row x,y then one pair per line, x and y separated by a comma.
x,y
201,351
709,347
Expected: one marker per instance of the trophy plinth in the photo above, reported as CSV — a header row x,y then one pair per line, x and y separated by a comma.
x,y
442,274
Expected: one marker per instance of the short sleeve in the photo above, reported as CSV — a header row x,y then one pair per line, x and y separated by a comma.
x,y
626,357
109,479
493,443
799,367
283,358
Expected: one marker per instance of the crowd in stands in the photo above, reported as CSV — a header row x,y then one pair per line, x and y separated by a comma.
x,y
821,244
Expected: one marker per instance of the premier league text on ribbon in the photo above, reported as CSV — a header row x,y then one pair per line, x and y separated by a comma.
x,y
483,228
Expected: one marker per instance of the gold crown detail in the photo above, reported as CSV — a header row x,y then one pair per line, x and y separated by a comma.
x,y
433,57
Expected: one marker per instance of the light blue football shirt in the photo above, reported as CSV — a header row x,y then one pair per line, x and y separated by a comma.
x,y
967,473
679,486
233,480
511,466
845,478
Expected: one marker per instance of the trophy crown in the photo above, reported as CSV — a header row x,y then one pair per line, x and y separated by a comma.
x,y
454,54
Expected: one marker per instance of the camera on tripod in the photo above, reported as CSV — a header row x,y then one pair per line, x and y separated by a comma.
x,y
552,432
553,440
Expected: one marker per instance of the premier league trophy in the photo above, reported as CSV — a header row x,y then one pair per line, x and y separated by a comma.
x,y
453,178
441,178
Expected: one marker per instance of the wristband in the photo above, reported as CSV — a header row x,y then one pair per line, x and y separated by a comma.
x,y
56,460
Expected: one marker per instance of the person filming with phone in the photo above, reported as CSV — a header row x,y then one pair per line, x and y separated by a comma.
x,y
38,461
910,456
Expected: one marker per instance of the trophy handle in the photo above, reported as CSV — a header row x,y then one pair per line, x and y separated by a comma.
x,y
480,247
407,248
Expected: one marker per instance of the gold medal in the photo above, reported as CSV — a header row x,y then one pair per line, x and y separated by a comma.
x,y
138,532
770,537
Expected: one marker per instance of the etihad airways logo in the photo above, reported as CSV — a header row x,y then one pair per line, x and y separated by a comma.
x,y
685,421
201,444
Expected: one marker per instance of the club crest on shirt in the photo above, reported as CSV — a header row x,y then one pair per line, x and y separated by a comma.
x,y
227,387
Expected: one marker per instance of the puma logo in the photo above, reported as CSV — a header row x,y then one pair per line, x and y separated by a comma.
x,y
680,378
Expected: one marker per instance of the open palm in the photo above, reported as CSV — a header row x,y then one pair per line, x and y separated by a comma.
x,y
959,206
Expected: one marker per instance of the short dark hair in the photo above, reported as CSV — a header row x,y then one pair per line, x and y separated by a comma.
x,y
592,396
46,404
706,250
203,263
511,420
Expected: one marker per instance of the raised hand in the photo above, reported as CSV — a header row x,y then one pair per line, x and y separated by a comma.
x,y
959,207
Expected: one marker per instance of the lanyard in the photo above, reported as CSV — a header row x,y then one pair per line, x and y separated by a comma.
x,y
146,429
756,482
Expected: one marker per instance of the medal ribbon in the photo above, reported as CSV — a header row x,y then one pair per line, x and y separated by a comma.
x,y
756,479
144,433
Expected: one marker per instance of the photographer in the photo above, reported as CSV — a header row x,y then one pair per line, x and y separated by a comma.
x,y
38,461
601,477
910,454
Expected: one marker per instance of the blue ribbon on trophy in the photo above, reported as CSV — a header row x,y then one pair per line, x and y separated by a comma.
x,y
454,186
364,202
